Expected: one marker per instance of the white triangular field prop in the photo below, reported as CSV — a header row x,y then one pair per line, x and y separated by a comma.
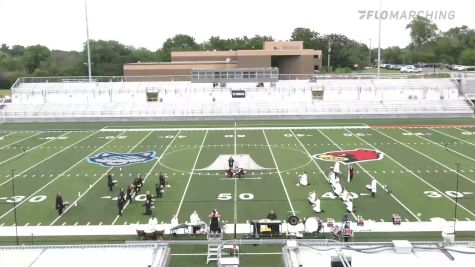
x,y
336,168
241,160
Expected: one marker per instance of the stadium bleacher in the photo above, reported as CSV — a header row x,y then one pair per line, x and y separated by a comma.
x,y
82,100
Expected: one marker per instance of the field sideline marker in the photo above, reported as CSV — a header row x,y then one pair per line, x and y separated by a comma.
x,y
417,151
359,165
420,178
278,172
191,175
74,204
58,176
149,172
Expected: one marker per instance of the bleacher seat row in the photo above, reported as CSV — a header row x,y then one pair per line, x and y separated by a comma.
x,y
358,97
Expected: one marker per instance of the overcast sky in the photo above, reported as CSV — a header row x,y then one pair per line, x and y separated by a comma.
x,y
60,24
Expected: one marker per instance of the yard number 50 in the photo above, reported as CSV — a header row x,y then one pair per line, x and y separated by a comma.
x,y
229,196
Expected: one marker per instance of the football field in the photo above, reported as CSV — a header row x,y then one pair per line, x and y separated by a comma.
x,y
422,173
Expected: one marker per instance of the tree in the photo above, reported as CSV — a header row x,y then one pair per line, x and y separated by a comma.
x,y
179,42
107,58
467,57
34,56
311,39
422,31
17,51
392,55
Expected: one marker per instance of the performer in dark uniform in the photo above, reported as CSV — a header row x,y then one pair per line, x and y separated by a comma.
x,y
231,162
130,191
162,180
138,183
120,203
272,216
351,172
59,203
110,183
273,228
122,194
214,223
148,203
159,190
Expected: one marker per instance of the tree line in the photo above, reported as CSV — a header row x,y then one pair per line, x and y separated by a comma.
x,y
428,44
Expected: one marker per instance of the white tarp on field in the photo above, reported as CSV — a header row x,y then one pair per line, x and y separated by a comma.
x,y
241,160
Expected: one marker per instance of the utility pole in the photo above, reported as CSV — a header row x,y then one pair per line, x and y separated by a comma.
x,y
87,44
370,64
329,51
379,42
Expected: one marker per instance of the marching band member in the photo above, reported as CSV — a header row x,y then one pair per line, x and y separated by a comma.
x,y
303,179
152,221
317,207
312,196
195,221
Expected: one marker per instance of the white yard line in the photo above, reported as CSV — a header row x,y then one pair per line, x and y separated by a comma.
x,y
420,178
470,143
58,176
315,161
150,171
45,159
361,167
23,152
191,175
441,164
235,180
235,138
462,130
437,144
20,140
278,172
74,203
3,136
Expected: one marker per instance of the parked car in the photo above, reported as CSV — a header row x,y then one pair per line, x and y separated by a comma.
x,y
459,67
411,69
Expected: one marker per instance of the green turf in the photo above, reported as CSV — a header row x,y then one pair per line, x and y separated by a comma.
x,y
5,92
249,123
418,168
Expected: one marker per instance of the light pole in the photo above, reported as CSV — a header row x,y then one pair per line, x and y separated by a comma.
x,y
379,41
370,65
329,50
87,44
